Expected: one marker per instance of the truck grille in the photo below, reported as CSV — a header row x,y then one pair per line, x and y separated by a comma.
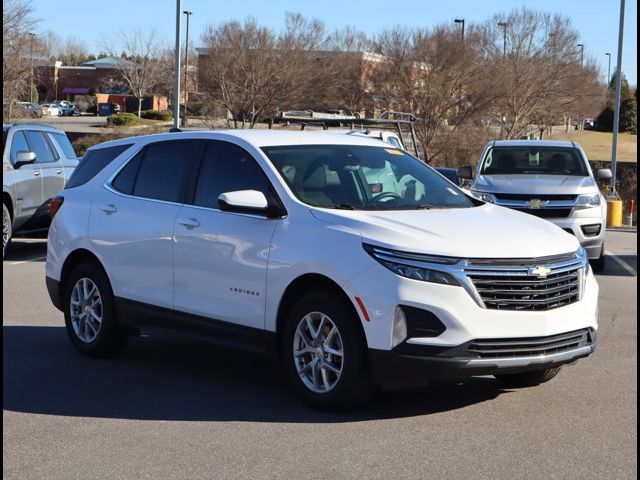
x,y
519,285
530,196
533,346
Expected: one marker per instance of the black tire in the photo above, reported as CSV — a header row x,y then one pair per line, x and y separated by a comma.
x,y
528,379
598,265
7,234
354,386
110,338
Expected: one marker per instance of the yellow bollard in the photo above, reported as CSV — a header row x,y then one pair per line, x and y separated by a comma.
x,y
614,213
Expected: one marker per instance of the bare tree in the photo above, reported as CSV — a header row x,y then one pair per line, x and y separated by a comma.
x,y
140,64
69,51
17,22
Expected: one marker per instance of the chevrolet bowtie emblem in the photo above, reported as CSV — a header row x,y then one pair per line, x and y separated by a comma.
x,y
536,203
540,272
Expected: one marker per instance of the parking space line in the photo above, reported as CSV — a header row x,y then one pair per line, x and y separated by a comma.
x,y
622,263
28,261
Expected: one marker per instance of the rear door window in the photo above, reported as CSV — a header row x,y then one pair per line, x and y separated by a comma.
x,y
65,145
165,170
93,163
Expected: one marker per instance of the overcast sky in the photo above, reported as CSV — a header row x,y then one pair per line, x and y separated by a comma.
x,y
92,21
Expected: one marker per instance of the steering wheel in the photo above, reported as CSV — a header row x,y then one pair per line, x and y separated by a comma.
x,y
390,195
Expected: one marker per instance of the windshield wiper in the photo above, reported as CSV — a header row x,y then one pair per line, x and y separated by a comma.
x,y
345,206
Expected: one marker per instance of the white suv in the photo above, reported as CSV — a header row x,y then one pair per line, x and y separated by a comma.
x,y
353,260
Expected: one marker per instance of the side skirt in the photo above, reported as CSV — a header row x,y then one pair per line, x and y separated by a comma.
x,y
132,314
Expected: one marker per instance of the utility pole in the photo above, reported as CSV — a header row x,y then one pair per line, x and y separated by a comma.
x,y
31,34
461,20
186,69
176,85
504,37
581,45
616,111
608,70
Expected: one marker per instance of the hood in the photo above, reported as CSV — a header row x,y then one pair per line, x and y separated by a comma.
x,y
535,184
488,231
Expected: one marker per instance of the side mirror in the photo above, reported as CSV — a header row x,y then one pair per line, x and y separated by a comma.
x,y
604,174
247,201
24,158
465,172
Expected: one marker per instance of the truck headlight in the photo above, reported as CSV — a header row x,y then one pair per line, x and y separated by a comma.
x,y
485,197
588,201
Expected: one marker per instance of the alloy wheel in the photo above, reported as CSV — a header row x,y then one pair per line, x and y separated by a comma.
x,y
86,310
318,352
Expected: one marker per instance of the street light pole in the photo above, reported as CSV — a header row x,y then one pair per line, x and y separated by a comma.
x,y
608,70
31,34
461,20
504,37
581,45
186,69
176,85
616,111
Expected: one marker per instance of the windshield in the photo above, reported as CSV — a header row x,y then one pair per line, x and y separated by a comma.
x,y
363,178
534,161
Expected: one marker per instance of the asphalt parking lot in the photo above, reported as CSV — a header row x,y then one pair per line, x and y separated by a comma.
x,y
170,408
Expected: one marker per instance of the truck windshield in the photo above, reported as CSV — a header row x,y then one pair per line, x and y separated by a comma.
x,y
363,178
534,161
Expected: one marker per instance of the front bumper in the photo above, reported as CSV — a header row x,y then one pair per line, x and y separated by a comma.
x,y
593,244
413,365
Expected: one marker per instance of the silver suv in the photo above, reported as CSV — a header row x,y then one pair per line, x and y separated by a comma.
x,y
37,160
548,179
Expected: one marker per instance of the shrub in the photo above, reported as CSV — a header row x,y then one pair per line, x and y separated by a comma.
x,y
82,144
122,119
163,115
629,116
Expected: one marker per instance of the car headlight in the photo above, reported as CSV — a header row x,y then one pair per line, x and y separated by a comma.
x,y
409,265
588,201
485,197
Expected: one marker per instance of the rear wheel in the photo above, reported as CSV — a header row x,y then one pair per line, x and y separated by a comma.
x,y
528,379
325,354
7,230
89,312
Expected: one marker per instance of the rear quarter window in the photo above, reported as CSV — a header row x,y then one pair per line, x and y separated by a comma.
x,y
93,163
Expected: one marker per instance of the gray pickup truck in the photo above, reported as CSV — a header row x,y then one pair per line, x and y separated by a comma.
x,y
37,161
548,179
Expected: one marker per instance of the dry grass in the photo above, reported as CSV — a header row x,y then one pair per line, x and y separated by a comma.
x,y
598,144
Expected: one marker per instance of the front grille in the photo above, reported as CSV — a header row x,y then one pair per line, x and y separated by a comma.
x,y
532,346
547,212
529,196
516,287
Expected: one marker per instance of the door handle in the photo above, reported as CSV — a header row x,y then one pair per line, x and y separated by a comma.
x,y
189,223
109,209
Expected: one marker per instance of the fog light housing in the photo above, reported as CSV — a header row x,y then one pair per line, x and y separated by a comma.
x,y
591,230
399,328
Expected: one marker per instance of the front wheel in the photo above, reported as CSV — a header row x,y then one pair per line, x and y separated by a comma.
x,y
528,379
599,263
7,230
89,312
325,354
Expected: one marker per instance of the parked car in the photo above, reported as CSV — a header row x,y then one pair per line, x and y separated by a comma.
x,y
548,179
289,242
450,174
68,109
52,109
28,109
37,161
